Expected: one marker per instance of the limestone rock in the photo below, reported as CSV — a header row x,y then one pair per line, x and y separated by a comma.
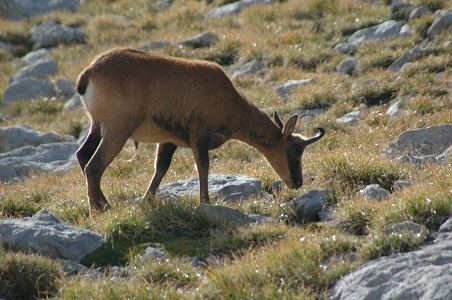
x,y
14,137
374,191
251,67
74,102
34,56
415,228
284,89
48,235
405,58
221,186
347,66
442,23
19,9
424,141
421,274
54,157
352,118
49,34
42,68
387,29
27,89
234,8
205,39
419,12
311,204
345,48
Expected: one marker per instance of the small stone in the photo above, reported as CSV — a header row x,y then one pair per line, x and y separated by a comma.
x,y
374,191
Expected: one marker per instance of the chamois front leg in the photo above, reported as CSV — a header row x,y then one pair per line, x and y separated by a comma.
x,y
201,154
92,141
111,144
162,162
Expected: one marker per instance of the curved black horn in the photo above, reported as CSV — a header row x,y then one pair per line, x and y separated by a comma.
x,y
316,137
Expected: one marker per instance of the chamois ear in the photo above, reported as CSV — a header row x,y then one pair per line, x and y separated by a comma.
x,y
290,126
278,120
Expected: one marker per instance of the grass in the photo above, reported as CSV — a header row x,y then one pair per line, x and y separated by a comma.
x,y
289,258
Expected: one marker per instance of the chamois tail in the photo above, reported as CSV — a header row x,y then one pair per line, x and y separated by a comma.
x,y
82,82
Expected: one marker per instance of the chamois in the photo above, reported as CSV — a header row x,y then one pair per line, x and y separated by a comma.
x,y
175,102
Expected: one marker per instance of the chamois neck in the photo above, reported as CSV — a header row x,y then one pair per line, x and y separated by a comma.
x,y
257,129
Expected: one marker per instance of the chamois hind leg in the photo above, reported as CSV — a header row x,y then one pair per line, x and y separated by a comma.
x,y
92,141
201,154
112,142
162,162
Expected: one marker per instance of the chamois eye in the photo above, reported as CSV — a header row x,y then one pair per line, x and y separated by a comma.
x,y
296,153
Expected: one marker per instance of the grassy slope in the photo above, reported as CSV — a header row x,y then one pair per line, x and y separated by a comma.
x,y
289,259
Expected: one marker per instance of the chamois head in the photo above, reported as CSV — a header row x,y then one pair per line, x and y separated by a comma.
x,y
286,158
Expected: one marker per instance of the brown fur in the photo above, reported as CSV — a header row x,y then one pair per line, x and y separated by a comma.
x,y
176,103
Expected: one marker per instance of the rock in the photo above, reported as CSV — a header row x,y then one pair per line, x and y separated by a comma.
x,y
155,46
446,227
445,155
55,157
74,102
284,89
27,89
419,12
205,39
387,29
347,66
394,108
406,30
407,57
14,137
345,48
65,87
222,214
221,186
424,141
153,253
19,9
7,47
441,23
34,56
311,204
49,34
421,274
234,8
48,235
276,186
72,268
418,161
400,10
374,191
162,5
326,214
352,118
401,183
251,67
415,228
42,68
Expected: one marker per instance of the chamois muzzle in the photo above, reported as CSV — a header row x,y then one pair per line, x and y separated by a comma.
x,y
316,137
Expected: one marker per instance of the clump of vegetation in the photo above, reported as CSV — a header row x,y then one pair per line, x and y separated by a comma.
x,y
28,276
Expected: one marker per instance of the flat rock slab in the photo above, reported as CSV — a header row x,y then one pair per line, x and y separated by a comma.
x,y
221,186
424,141
423,274
14,137
55,157
48,235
